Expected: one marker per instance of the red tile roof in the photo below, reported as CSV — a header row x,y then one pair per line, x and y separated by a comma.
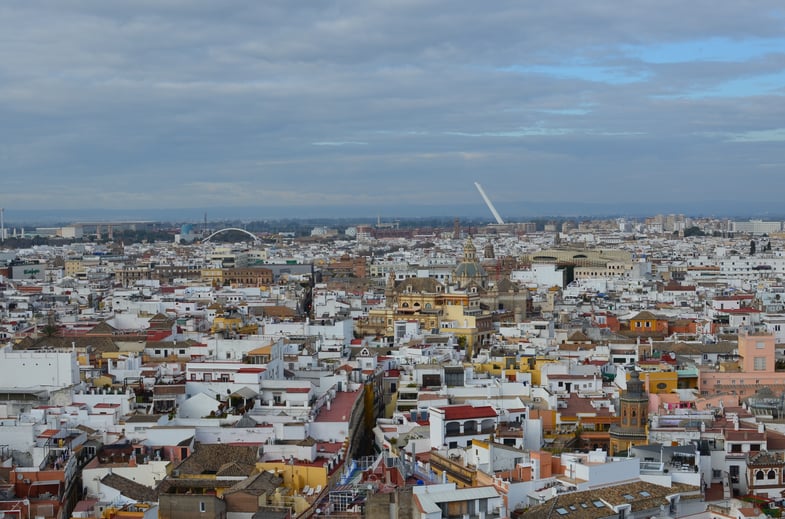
x,y
340,407
465,412
251,370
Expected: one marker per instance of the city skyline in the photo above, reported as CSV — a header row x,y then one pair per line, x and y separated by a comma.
x,y
338,108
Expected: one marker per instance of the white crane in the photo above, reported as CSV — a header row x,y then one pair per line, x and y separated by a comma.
x,y
489,204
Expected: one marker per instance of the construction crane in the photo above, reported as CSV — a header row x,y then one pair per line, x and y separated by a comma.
x,y
489,204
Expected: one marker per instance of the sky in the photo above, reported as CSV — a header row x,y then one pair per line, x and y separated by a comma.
x,y
395,107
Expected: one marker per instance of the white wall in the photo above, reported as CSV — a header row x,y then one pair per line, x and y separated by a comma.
x,y
234,434
17,435
23,369
147,474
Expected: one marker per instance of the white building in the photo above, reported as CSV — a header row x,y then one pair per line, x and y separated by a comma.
x,y
45,369
457,425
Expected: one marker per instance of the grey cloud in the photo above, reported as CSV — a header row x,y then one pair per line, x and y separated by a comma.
x,y
174,103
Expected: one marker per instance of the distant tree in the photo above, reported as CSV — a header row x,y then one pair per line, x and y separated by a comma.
x,y
693,231
50,330
752,247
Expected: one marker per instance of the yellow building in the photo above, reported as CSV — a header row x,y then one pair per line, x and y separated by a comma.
x,y
658,382
474,327
534,366
231,322
73,267
214,276
495,367
298,475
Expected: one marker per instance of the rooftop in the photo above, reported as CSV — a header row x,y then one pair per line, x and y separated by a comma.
x,y
340,407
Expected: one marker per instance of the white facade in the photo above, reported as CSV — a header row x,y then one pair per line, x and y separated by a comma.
x,y
596,469
47,369
148,473
757,227
540,274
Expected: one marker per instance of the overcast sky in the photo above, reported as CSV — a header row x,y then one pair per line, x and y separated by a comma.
x,y
388,103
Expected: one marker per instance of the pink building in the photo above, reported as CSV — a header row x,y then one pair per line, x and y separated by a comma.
x,y
755,368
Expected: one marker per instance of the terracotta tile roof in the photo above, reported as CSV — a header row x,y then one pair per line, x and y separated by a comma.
x,y
131,489
465,412
279,311
98,344
257,485
596,504
102,328
745,435
210,458
644,315
234,469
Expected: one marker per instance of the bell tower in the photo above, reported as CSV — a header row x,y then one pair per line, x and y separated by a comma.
x,y
632,428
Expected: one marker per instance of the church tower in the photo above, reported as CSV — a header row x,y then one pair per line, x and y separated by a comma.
x,y
389,291
469,269
632,428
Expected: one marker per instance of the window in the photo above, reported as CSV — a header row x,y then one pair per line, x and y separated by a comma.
x,y
760,345
759,364
202,506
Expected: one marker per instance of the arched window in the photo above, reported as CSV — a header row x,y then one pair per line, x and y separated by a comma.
x,y
771,475
759,475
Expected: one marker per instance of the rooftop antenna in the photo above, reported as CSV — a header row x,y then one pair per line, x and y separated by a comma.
x,y
489,204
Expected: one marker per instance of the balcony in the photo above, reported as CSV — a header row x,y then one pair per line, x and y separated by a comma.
x,y
735,455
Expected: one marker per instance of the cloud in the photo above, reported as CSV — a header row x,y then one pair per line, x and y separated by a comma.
x,y
774,135
175,103
339,143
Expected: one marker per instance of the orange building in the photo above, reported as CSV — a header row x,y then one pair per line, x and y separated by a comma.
x,y
753,368
646,323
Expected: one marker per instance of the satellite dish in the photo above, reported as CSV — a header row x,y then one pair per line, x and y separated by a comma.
x,y
673,355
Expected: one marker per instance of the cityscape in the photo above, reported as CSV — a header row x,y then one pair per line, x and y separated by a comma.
x,y
479,368
361,259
